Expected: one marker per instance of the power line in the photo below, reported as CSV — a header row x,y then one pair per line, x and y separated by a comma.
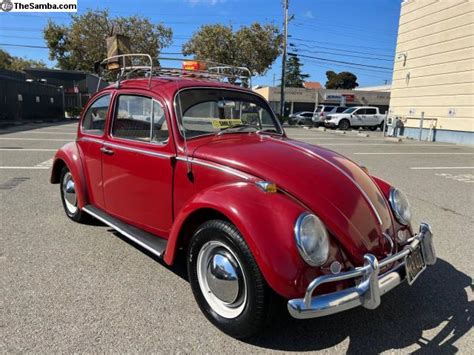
x,y
22,45
341,44
346,55
339,34
340,61
343,50
349,28
372,71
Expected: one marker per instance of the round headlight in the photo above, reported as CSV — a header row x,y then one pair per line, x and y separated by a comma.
x,y
400,206
312,239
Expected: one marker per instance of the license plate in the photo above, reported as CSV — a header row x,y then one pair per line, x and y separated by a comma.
x,y
414,265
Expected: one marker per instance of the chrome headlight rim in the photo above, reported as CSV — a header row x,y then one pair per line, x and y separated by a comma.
x,y
303,253
395,208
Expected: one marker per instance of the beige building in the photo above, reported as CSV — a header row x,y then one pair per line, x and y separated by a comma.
x,y
434,70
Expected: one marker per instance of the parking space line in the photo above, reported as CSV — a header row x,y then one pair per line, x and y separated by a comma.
x,y
35,139
39,132
28,149
25,167
335,138
47,164
388,144
412,153
440,167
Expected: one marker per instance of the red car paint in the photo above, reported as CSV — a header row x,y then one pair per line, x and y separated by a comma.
x,y
153,191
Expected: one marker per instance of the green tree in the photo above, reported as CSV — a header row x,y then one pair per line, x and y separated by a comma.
x,y
343,80
82,43
293,75
10,62
255,47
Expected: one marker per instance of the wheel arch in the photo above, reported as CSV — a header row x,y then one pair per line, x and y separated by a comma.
x,y
265,221
69,156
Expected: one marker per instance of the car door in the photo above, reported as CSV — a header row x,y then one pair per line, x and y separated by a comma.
x,y
90,140
371,117
358,117
137,163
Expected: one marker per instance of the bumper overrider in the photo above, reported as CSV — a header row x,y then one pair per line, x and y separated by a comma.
x,y
370,285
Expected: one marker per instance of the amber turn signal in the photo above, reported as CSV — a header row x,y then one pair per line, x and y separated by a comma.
x,y
267,186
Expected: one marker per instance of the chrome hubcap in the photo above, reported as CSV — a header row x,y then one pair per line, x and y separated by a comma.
x,y
221,279
69,193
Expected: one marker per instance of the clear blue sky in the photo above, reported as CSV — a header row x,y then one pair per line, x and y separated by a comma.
x,y
353,31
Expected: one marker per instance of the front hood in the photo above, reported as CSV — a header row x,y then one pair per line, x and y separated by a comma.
x,y
332,186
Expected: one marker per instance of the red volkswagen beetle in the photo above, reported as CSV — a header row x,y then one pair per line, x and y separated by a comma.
x,y
196,164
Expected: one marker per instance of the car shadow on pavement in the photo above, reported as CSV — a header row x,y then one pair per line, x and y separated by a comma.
x,y
438,300
178,267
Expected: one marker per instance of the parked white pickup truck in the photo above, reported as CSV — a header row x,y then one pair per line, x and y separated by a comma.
x,y
363,116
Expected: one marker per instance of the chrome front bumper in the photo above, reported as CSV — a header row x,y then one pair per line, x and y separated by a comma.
x,y
367,292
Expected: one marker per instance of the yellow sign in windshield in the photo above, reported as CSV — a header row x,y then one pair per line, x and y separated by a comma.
x,y
218,123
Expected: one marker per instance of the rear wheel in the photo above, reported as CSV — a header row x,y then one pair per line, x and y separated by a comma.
x,y
344,125
381,125
226,281
373,128
69,197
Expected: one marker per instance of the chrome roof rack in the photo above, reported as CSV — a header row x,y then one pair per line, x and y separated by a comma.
x,y
127,66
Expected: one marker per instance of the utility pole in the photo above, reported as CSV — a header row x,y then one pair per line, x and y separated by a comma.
x,y
283,58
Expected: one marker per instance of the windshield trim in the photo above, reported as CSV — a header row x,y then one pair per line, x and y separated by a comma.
x,y
178,118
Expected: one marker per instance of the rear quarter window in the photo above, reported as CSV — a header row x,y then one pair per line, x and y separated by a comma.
x,y
96,116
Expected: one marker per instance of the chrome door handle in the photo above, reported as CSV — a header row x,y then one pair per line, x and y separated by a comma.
x,y
107,151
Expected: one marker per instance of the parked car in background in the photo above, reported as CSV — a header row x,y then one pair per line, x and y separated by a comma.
x,y
355,117
304,117
322,111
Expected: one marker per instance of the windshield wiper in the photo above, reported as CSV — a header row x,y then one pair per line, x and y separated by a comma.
x,y
239,127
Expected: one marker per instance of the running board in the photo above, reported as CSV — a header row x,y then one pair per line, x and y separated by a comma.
x,y
150,242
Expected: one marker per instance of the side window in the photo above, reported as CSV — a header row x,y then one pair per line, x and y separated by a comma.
x,y
341,109
328,108
160,132
370,111
139,118
360,111
96,115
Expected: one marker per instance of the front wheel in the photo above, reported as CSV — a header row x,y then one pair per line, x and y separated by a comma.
x,y
69,197
226,281
344,125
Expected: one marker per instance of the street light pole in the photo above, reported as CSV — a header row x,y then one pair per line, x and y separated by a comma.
x,y
283,59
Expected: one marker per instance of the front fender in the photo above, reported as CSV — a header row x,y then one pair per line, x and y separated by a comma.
x,y
266,222
70,156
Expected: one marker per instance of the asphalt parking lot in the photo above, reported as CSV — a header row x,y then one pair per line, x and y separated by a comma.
x,y
68,287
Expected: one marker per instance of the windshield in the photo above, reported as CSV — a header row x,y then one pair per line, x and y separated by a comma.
x,y
208,111
350,110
